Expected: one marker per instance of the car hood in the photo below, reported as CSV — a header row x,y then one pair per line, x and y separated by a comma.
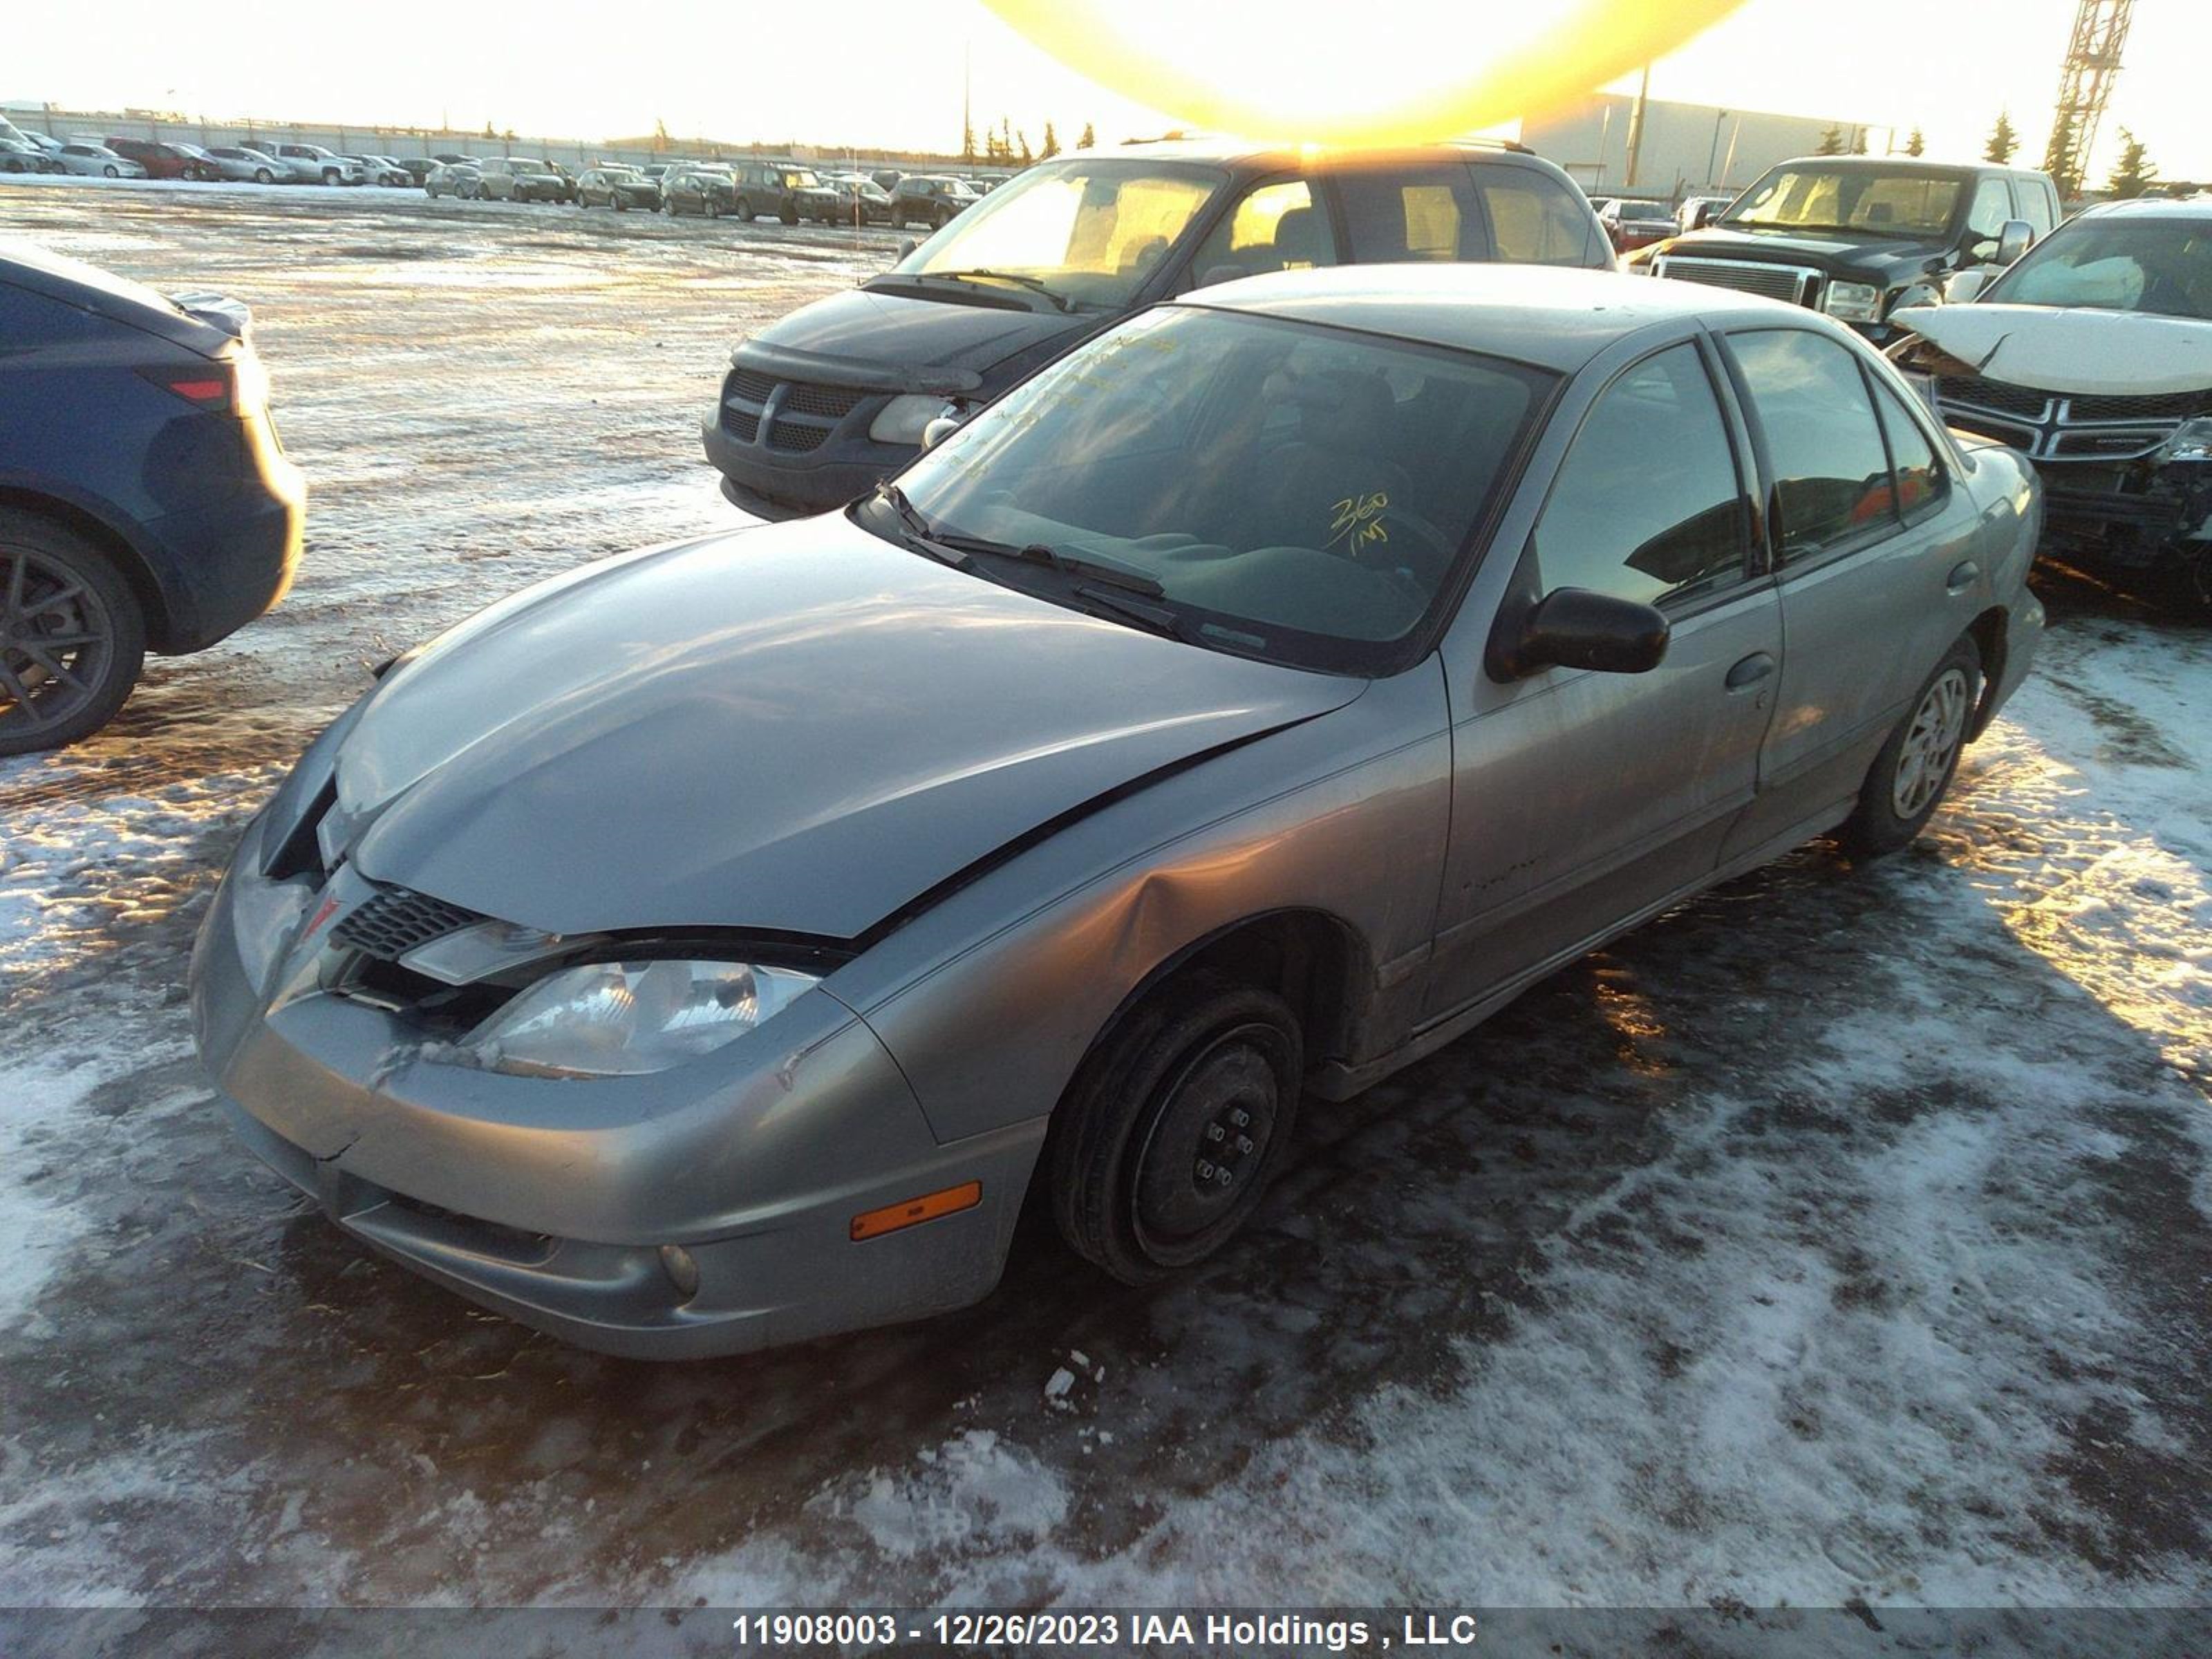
x,y
799,728
899,341
2070,348
1891,255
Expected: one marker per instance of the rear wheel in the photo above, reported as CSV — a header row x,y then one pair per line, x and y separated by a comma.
x,y
111,171
1909,777
1172,1130
72,638
746,209
788,215
939,219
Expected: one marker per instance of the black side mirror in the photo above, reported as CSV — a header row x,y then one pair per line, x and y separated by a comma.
x,y
1575,628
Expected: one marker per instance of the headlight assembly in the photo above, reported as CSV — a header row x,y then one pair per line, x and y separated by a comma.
x,y
630,1018
2191,441
1854,302
904,419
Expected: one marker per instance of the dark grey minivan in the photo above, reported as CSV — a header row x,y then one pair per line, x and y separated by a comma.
x,y
820,404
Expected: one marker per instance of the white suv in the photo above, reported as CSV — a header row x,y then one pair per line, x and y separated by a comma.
x,y
311,164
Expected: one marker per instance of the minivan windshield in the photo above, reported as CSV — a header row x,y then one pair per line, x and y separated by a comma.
x,y
1274,489
1085,234
2161,266
1873,201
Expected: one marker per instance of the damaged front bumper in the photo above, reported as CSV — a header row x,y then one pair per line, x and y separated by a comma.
x,y
707,1210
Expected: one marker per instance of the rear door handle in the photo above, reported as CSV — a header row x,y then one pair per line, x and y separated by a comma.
x,y
1752,670
1963,576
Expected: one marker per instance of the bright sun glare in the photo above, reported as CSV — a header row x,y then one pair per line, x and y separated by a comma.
x,y
1303,69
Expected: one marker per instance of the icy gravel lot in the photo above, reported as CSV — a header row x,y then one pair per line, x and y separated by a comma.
x,y
1844,1237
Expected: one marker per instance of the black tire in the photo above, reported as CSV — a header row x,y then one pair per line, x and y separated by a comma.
x,y
330,177
1168,1137
789,215
746,209
939,219
1901,792
112,171
262,176
94,635
621,202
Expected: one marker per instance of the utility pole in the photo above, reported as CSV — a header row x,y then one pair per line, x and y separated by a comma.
x,y
1713,151
967,100
1636,127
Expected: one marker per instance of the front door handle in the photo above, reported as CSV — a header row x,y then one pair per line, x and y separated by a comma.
x,y
1963,576
1752,670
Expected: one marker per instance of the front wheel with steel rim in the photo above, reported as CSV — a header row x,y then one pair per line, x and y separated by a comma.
x,y
1909,777
71,636
1172,1130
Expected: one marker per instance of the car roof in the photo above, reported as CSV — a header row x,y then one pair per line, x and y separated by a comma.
x,y
1903,163
1554,317
2153,207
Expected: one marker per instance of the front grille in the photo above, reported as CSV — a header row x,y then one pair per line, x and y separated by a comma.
x,y
2106,446
742,424
2169,406
393,921
834,402
1794,283
797,436
752,387
1999,396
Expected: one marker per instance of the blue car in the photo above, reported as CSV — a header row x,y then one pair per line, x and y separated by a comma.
x,y
145,503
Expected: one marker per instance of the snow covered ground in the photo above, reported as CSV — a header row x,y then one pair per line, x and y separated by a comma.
x,y
1843,1238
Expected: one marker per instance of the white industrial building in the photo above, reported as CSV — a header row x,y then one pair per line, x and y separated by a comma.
x,y
1683,149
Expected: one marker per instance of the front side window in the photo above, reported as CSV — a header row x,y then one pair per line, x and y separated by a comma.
x,y
1269,489
1274,227
1809,197
1985,220
1533,221
1648,506
1831,474
1397,217
1089,233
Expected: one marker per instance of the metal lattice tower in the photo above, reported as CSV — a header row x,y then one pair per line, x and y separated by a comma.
x,y
2084,85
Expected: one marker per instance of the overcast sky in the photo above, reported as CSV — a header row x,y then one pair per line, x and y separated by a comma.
x,y
888,72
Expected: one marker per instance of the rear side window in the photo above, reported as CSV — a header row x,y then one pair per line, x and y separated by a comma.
x,y
1534,222
1648,506
1397,216
30,322
1274,227
1912,457
2038,204
1992,207
1830,470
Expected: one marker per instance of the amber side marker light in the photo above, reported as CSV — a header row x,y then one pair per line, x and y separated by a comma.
x,y
874,1223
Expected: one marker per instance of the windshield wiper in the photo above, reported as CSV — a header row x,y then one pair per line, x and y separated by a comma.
x,y
1035,284
1155,618
1126,577
920,534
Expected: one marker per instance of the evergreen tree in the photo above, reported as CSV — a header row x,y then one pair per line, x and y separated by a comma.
x,y
2134,174
1858,141
2059,158
2003,141
1832,142
1917,144
1022,140
1050,148
1089,138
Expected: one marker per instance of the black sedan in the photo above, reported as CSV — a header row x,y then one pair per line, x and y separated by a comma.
x,y
145,503
618,187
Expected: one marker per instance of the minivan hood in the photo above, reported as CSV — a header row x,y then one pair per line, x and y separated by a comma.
x,y
893,342
798,728
2076,349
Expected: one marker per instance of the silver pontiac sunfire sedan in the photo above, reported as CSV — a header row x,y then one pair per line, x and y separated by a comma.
x,y
715,947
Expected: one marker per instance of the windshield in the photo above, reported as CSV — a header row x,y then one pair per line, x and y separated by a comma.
x,y
1269,488
799,181
529,166
1091,232
1803,197
2159,267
